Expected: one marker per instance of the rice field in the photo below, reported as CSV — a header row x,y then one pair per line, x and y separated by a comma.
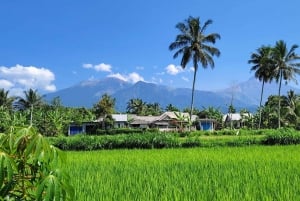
x,y
224,173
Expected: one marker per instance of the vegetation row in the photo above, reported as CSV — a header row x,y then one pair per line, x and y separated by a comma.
x,y
150,140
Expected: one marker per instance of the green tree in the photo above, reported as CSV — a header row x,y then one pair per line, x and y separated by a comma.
x,y
171,108
104,109
136,106
286,66
291,108
153,109
30,168
194,44
270,113
31,100
5,100
262,65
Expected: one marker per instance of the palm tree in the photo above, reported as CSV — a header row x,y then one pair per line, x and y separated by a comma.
x,y
193,44
5,100
32,99
262,65
286,66
291,105
136,106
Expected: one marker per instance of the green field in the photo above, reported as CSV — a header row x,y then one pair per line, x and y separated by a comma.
x,y
224,173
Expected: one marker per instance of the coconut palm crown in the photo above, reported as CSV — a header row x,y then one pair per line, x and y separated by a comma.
x,y
286,66
262,65
193,44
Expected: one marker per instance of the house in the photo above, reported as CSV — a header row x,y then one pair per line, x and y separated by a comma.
x,y
206,124
235,120
120,121
168,121
141,121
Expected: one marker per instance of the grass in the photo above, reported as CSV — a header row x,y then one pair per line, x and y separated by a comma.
x,y
220,173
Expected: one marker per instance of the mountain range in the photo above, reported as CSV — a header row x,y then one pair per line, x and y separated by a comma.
x,y
244,95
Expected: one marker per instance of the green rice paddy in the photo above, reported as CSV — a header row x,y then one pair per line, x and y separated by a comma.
x,y
223,173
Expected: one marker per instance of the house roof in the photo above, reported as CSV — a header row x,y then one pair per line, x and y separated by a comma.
x,y
116,117
143,119
120,117
235,116
156,119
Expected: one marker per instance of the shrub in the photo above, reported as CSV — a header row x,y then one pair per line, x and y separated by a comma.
x,y
29,168
283,136
129,141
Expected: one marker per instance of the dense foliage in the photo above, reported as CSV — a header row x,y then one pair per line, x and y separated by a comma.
x,y
30,168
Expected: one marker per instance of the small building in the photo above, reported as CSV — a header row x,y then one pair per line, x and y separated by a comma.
x,y
207,124
168,121
120,121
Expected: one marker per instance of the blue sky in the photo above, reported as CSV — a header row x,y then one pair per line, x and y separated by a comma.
x,y
51,45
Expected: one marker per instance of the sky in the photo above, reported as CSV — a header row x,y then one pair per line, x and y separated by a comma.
x,y
54,44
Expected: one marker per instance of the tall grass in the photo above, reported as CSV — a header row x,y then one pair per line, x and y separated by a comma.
x,y
223,173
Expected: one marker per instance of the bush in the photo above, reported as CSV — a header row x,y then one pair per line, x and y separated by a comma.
x,y
283,136
118,131
129,141
30,168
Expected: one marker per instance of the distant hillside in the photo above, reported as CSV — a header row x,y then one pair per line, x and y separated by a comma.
x,y
85,94
250,91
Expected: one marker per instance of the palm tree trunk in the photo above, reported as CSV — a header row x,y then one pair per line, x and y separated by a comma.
x,y
31,111
261,96
279,99
193,90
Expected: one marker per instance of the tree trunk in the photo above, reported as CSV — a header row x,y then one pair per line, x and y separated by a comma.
x,y
279,99
31,111
193,90
261,96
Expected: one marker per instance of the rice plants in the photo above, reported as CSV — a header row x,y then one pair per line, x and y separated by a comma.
x,y
223,173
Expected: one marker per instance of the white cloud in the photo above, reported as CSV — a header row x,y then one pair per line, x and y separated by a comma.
x,y
118,76
87,65
173,70
103,67
185,79
6,84
135,77
25,77
98,67
191,69
132,77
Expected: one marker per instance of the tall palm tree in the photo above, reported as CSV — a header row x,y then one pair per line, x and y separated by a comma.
x,y
193,44
286,66
32,99
262,65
